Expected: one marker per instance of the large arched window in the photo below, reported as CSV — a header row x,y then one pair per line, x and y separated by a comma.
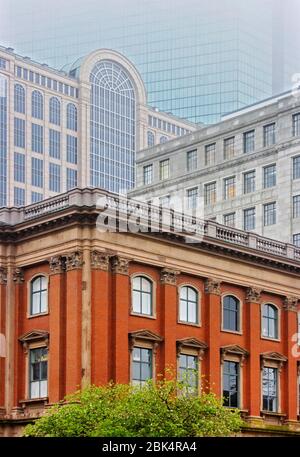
x,y
163,139
150,138
231,313
19,102
71,117
269,321
37,105
142,295
38,295
188,306
54,111
112,123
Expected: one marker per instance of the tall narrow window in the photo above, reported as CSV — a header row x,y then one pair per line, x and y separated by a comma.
x,y
19,132
229,220
269,214
270,389
192,198
249,141
71,178
54,111
71,117
54,177
296,124
141,365
188,306
71,149
164,169
142,295
37,105
19,196
270,321
38,382
231,384
229,148
37,138
231,313
269,134
188,373
210,154
147,174
39,295
249,219
269,176
150,138
229,188
249,182
54,144
210,193
191,159
296,206
19,99
19,167
37,172
296,167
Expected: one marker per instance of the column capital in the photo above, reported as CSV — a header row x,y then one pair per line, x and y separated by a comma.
x,y
120,265
18,276
290,303
212,286
57,264
169,276
100,260
253,295
3,275
74,260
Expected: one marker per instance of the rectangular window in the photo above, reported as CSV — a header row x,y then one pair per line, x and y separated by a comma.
x,y
2,63
269,176
38,379
229,148
37,174
296,206
229,220
296,167
249,219
54,177
19,167
165,201
19,196
270,389
229,188
19,132
147,174
37,138
231,384
54,144
192,198
210,193
269,214
188,373
296,239
296,124
210,154
191,160
249,182
36,197
71,178
269,134
71,149
249,141
141,365
164,169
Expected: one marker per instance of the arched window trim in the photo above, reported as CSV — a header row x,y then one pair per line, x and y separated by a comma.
x,y
55,111
153,293
34,105
72,117
278,321
199,301
151,135
29,294
163,139
226,294
16,97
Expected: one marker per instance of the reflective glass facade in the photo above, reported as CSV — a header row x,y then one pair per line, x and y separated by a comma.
x,y
198,61
3,140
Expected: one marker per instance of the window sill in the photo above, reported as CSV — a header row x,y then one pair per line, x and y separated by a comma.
x,y
33,401
275,340
191,324
32,316
231,331
272,414
147,316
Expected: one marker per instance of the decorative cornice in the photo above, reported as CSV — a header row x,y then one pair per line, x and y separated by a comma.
x,y
253,295
276,357
57,264
100,260
18,276
169,276
34,335
234,349
73,260
212,286
144,335
290,303
3,275
120,265
193,343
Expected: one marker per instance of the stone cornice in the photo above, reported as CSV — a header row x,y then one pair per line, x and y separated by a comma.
x,y
212,286
100,260
253,295
73,260
57,264
120,265
169,276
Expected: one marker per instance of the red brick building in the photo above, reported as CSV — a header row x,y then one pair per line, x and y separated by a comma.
x,y
81,306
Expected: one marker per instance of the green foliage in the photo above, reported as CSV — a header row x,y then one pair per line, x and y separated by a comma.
x,y
154,410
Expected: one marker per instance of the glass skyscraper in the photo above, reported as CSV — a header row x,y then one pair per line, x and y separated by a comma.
x,y
199,59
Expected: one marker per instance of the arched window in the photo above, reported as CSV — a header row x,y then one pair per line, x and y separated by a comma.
x,y
163,139
231,313
150,138
72,117
19,99
37,105
38,295
54,111
112,127
270,321
142,295
188,306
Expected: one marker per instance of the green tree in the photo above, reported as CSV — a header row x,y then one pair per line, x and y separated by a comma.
x,y
155,410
